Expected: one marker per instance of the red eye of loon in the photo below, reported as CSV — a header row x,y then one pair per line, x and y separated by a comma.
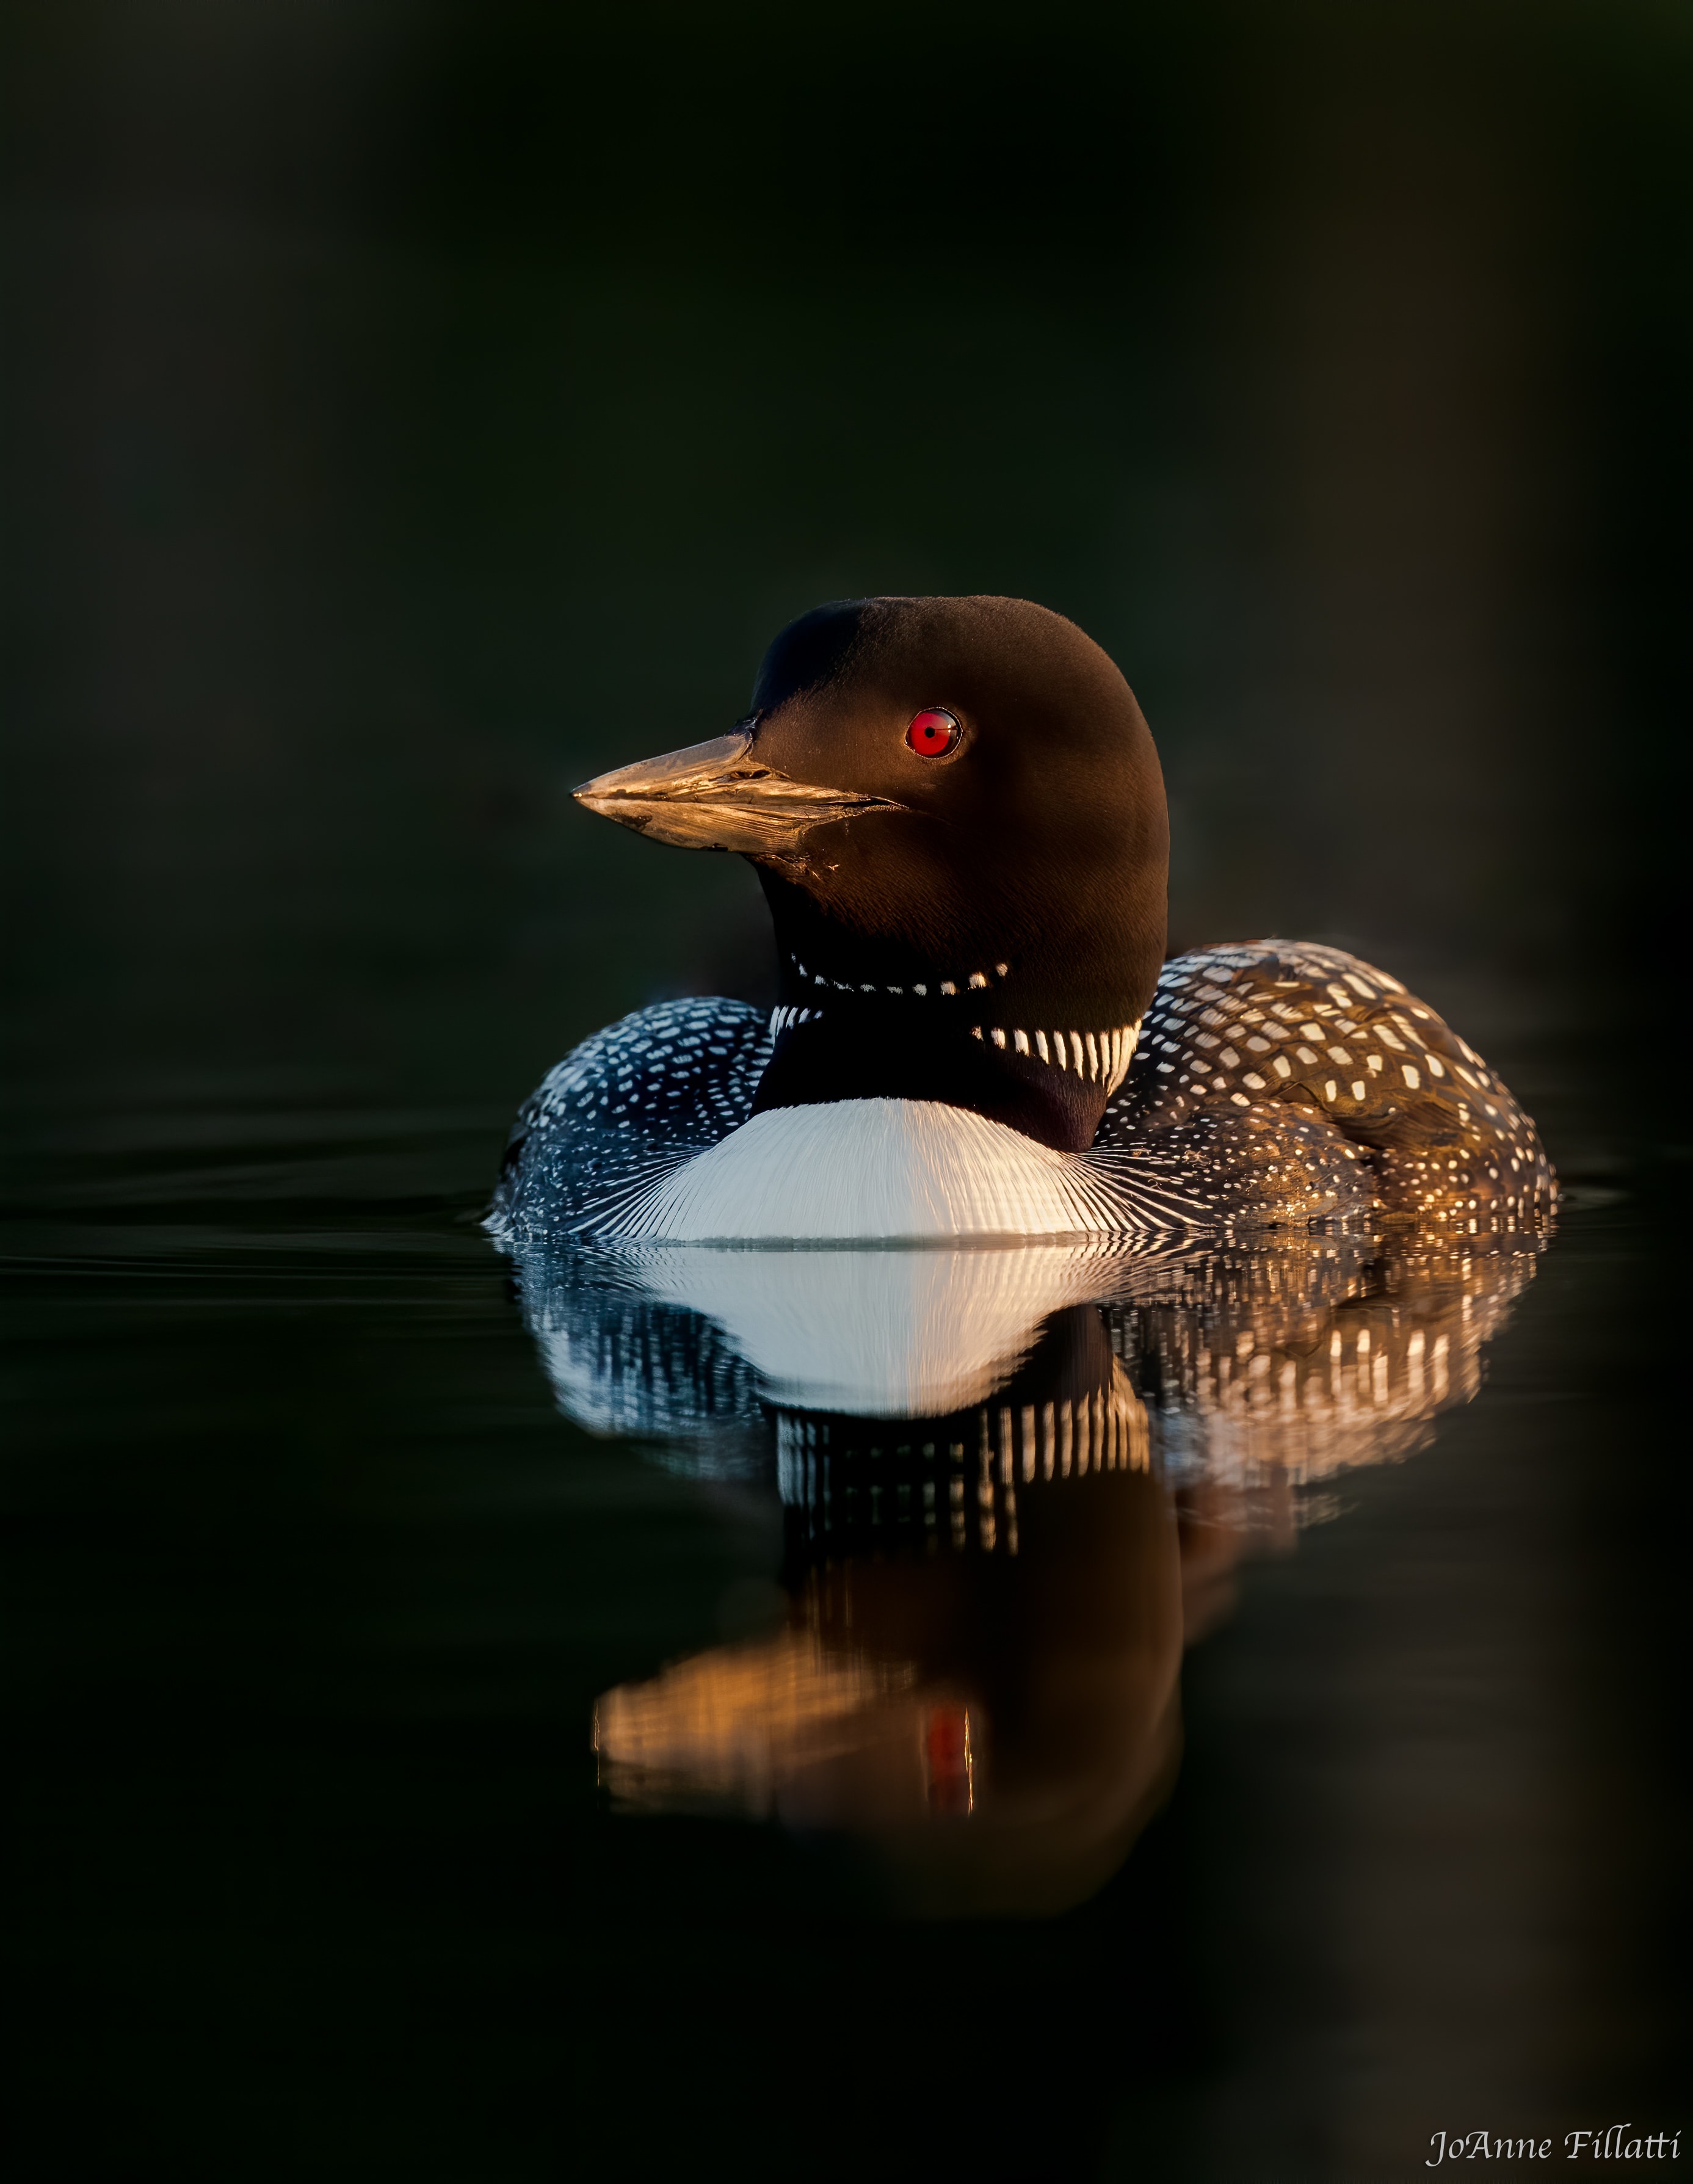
x,y
933,733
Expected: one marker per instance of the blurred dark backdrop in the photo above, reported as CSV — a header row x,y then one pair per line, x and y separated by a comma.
x,y
408,409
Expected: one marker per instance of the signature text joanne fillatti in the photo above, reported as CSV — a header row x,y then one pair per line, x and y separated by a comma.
x,y
1612,2145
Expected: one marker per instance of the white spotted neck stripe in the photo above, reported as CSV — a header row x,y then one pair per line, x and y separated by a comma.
x,y
1098,1058
976,982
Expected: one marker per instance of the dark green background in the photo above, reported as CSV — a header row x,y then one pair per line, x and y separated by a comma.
x,y
405,411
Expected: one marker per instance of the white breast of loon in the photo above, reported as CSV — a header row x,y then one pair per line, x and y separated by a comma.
x,y
881,1170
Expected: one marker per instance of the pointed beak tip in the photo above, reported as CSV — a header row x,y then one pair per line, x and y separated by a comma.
x,y
594,796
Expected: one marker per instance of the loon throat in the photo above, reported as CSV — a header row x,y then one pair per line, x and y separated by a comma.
x,y
957,1043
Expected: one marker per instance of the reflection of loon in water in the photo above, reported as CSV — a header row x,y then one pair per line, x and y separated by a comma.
x,y
1014,1482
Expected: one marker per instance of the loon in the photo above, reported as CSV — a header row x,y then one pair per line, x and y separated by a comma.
x,y
956,813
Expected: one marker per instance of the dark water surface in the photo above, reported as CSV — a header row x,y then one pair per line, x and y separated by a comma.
x,y
311,1594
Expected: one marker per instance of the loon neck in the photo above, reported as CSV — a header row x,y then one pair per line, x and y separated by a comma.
x,y
1051,1082
1029,1021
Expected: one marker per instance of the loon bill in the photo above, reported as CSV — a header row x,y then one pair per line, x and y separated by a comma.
x,y
956,814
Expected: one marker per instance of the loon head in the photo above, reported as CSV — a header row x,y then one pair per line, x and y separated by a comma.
x,y
957,816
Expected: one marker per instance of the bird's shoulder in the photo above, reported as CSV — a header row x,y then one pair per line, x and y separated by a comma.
x,y
1316,1067
666,1082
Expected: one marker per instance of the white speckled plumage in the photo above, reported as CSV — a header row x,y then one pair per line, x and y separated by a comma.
x,y
647,1130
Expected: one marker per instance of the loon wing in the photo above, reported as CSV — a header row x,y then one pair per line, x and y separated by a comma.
x,y
624,1108
1293,1082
